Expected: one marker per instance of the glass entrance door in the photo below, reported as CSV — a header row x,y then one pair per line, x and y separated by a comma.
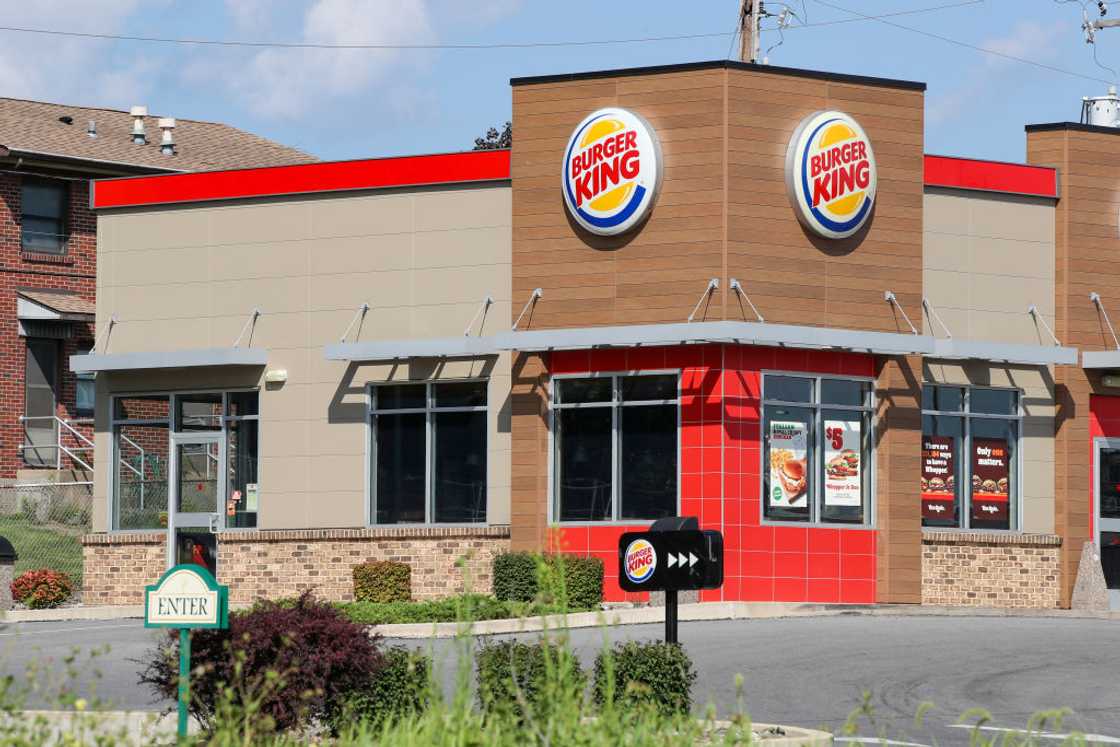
x,y
198,491
1108,513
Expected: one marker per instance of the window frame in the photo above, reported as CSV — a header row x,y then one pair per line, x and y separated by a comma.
x,y
172,406
1015,497
63,220
816,406
430,410
614,403
81,378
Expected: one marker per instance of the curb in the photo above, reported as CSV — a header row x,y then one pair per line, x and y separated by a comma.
x,y
65,614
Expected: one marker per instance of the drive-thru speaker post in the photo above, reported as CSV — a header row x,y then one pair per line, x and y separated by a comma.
x,y
186,597
673,555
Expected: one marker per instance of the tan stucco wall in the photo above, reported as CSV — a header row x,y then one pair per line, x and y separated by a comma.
x,y
188,277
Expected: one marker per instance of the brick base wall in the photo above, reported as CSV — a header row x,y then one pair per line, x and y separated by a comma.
x,y
274,564
991,570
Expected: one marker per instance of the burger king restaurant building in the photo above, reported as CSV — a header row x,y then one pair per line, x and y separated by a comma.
x,y
728,291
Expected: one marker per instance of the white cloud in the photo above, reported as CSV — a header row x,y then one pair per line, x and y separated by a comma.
x,y
249,15
293,82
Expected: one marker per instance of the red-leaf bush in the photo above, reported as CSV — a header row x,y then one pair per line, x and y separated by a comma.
x,y
293,664
42,588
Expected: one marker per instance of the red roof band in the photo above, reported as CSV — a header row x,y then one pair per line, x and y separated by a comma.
x,y
470,166
991,176
334,176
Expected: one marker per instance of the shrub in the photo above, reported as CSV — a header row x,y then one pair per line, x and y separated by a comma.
x,y
515,576
400,688
527,678
383,581
452,609
583,579
297,664
42,588
655,674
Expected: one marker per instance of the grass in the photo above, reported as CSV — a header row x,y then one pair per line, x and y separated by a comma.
x,y
451,609
41,547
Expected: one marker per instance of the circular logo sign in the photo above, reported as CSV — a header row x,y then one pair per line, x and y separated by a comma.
x,y
830,174
611,171
640,561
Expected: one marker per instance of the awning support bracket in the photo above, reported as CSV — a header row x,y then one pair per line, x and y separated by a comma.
x,y
890,298
932,314
108,331
359,314
713,284
1033,311
737,287
1096,298
536,294
486,303
250,324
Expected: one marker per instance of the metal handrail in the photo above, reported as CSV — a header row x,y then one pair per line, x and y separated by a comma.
x,y
138,472
59,447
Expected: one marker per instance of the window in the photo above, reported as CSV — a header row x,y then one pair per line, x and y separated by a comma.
x,y
816,465
615,441
242,449
970,446
429,452
85,390
44,205
141,444
39,426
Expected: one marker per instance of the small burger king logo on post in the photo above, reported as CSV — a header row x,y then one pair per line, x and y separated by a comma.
x,y
830,174
640,561
611,171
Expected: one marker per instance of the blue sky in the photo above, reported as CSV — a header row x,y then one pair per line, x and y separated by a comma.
x,y
357,103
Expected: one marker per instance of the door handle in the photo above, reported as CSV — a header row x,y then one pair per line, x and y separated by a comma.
x,y
215,520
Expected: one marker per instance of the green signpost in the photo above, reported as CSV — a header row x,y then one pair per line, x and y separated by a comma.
x,y
186,597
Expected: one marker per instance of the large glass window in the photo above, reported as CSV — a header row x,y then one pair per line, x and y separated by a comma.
x,y
429,452
615,440
242,445
44,205
816,464
141,444
970,447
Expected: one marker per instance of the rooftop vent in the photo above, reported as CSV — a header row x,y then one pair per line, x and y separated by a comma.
x,y
138,113
91,128
1102,111
167,141
66,119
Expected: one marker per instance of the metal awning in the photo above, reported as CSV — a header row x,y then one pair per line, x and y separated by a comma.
x,y
462,346
1100,359
1033,355
96,362
745,333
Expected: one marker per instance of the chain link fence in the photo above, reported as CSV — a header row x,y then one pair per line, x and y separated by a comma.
x,y
45,522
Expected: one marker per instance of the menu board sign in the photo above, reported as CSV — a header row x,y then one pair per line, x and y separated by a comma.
x,y
842,473
938,478
990,479
789,473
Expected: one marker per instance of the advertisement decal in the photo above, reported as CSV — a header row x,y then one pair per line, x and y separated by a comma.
x,y
842,472
991,476
789,470
938,478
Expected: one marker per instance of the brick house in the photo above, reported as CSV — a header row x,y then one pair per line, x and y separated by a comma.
x,y
48,237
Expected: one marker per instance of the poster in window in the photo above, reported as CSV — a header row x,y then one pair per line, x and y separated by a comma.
x,y
938,478
842,474
789,474
990,479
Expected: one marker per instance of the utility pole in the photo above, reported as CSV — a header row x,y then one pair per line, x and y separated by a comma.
x,y
750,12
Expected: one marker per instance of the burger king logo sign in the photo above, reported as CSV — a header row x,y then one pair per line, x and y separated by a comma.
x,y
640,561
830,174
611,171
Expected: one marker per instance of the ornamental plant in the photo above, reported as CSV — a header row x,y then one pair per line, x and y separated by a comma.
x,y
42,588
382,581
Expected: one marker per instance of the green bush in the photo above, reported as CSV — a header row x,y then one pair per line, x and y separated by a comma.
x,y
383,581
400,688
515,576
636,674
525,679
452,609
583,579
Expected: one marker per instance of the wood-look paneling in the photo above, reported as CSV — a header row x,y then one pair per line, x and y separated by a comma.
x,y
723,213
1085,257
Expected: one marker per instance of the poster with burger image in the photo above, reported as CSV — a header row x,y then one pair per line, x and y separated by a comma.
x,y
990,481
842,478
938,481
789,474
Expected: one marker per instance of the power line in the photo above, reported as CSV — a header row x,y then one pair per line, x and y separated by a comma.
x,y
449,46
966,45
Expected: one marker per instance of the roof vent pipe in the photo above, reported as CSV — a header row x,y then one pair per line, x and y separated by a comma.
x,y
91,128
1102,111
138,113
167,141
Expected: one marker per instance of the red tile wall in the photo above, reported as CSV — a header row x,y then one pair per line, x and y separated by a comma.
x,y
720,463
1104,422
76,271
